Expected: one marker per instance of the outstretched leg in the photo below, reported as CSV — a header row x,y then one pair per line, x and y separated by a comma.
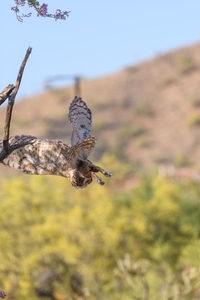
x,y
98,179
96,169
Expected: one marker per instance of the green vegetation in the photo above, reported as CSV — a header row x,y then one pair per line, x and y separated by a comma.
x,y
194,120
196,102
100,242
185,64
62,95
131,69
99,125
144,142
182,160
21,122
145,110
128,132
168,81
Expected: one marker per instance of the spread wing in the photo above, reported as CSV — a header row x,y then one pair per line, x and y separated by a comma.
x,y
81,150
18,157
40,156
80,117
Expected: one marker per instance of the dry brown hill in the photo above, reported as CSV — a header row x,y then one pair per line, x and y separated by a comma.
x,y
145,114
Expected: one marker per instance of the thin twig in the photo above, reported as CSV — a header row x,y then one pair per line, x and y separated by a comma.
x,y
6,93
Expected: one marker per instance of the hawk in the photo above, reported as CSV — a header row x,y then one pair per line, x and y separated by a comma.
x,y
53,157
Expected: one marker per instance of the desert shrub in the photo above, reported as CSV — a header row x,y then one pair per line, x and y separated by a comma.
x,y
194,120
145,110
165,82
195,102
66,243
185,64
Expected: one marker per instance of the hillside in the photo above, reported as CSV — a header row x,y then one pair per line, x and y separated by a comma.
x,y
146,114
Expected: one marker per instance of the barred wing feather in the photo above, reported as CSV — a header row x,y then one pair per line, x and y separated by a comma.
x,y
80,117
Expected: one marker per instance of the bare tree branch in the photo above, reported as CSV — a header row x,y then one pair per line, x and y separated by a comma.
x,y
11,92
13,95
6,93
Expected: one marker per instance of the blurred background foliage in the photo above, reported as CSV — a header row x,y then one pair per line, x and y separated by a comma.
x,y
101,242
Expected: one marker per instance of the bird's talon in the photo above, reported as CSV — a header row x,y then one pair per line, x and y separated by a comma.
x,y
107,174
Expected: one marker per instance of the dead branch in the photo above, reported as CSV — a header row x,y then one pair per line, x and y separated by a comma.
x,y
10,92
6,93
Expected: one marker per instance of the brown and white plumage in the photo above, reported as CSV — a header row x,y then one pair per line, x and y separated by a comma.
x,y
80,117
52,157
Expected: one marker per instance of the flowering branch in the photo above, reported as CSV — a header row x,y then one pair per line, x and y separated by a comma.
x,y
41,9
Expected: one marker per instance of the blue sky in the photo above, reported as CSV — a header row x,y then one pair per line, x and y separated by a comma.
x,y
99,38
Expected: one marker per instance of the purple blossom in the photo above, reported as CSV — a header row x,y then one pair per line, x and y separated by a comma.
x,y
61,15
20,2
41,9
15,9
